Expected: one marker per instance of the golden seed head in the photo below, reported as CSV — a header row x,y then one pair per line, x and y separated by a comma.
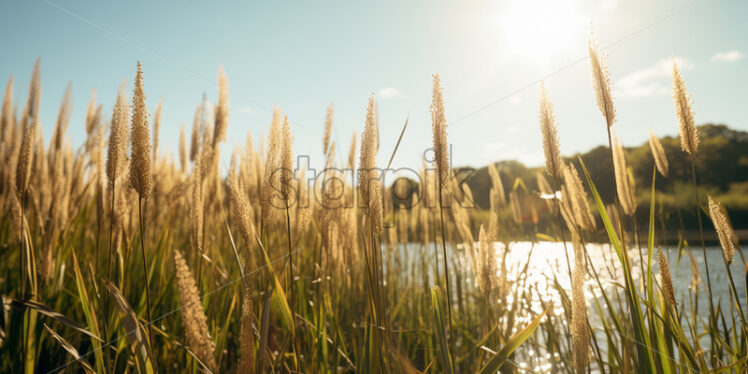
x,y
157,128
689,134
63,118
271,176
246,336
286,159
7,113
140,150
658,153
35,91
486,267
193,316
623,182
352,152
367,172
575,199
328,128
550,134
195,135
439,130
497,186
222,109
579,331
722,225
118,136
243,212
182,149
665,278
601,80
91,112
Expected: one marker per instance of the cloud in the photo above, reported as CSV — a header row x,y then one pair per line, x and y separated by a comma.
x,y
730,56
389,93
651,81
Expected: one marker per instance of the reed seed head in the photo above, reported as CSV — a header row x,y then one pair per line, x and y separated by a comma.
x,y
665,278
286,159
658,153
182,148
140,150
328,127
222,109
689,134
367,172
601,80
118,136
579,331
6,113
722,225
576,197
550,134
157,128
439,130
193,316
623,183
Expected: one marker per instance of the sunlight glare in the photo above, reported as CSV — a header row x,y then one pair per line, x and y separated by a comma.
x,y
539,30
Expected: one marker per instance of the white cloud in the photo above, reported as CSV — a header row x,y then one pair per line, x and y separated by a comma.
x,y
654,80
389,93
730,56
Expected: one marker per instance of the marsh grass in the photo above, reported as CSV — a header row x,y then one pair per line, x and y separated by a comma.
x,y
287,283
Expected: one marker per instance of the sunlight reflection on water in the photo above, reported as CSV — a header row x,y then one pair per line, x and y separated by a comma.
x,y
538,267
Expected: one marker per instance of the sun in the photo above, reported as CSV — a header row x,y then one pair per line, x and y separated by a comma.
x,y
539,30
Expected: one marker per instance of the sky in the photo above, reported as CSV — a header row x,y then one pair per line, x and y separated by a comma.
x,y
302,56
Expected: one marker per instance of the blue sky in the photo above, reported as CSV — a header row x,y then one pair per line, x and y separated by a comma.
x,y
302,56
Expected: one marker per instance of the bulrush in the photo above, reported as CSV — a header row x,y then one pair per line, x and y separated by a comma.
x,y
601,81
118,137
439,130
721,224
579,332
665,279
193,316
689,134
328,128
658,153
623,185
140,151
221,120
550,134
28,135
